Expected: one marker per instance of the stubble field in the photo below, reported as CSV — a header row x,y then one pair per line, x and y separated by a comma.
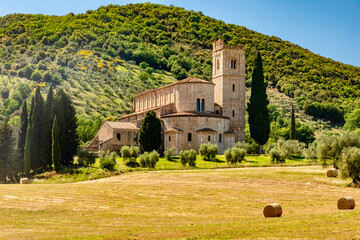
x,y
192,204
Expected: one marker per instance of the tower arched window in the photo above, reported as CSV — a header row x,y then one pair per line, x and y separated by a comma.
x,y
202,105
233,87
198,105
233,113
189,137
217,64
233,64
220,137
169,138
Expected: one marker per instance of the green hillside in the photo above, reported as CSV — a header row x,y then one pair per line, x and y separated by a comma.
x,y
105,56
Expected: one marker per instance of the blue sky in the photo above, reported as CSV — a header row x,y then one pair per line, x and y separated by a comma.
x,y
330,28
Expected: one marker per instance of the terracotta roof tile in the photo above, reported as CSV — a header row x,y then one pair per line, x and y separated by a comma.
x,y
121,125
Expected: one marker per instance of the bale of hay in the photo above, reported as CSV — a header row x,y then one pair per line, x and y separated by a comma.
x,y
272,210
345,203
333,172
24,181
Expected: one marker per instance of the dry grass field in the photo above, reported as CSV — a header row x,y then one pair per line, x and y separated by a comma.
x,y
193,204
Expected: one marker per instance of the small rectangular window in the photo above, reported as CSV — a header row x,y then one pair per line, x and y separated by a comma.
x,y
118,136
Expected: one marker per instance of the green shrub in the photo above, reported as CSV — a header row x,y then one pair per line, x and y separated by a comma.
x,y
228,156
134,152
149,159
238,154
108,160
86,158
107,164
125,153
276,156
188,157
208,151
169,152
183,154
192,155
350,163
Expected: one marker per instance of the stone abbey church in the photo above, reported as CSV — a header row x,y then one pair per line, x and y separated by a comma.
x,y
193,111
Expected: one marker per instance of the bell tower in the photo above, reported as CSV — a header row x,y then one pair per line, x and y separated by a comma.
x,y
229,78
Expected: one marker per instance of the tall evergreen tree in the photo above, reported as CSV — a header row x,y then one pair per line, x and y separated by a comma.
x,y
29,140
257,107
46,131
67,122
35,121
150,135
6,148
22,130
55,148
292,124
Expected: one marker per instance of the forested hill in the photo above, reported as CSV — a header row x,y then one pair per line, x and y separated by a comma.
x,y
104,56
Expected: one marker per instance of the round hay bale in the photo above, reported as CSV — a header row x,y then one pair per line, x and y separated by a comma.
x,y
345,203
333,172
24,181
272,210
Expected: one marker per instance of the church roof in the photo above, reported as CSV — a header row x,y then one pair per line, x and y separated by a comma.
x,y
184,81
205,129
174,129
121,125
195,114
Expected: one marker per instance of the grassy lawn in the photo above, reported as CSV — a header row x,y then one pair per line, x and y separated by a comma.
x,y
193,204
91,173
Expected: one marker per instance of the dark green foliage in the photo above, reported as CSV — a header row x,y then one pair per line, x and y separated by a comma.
x,y
292,124
325,111
36,76
208,151
46,130
86,158
6,149
4,93
257,107
108,160
353,120
68,139
55,149
150,132
88,127
22,130
166,38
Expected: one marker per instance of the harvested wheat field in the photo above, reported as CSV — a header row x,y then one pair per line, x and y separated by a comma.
x,y
198,204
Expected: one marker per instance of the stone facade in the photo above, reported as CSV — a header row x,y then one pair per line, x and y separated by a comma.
x,y
193,111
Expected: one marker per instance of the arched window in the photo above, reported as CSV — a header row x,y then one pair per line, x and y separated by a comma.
x,y
233,87
233,113
209,138
233,64
118,136
198,105
217,64
220,137
189,137
169,138
202,105
217,111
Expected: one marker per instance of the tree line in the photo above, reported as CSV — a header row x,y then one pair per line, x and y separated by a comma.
x,y
47,137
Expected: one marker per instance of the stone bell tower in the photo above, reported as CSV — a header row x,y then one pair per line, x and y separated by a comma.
x,y
229,78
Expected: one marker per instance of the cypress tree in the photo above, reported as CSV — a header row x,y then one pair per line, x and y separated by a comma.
x,y
55,148
46,133
6,148
257,107
150,133
67,123
292,124
22,130
28,140
35,161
